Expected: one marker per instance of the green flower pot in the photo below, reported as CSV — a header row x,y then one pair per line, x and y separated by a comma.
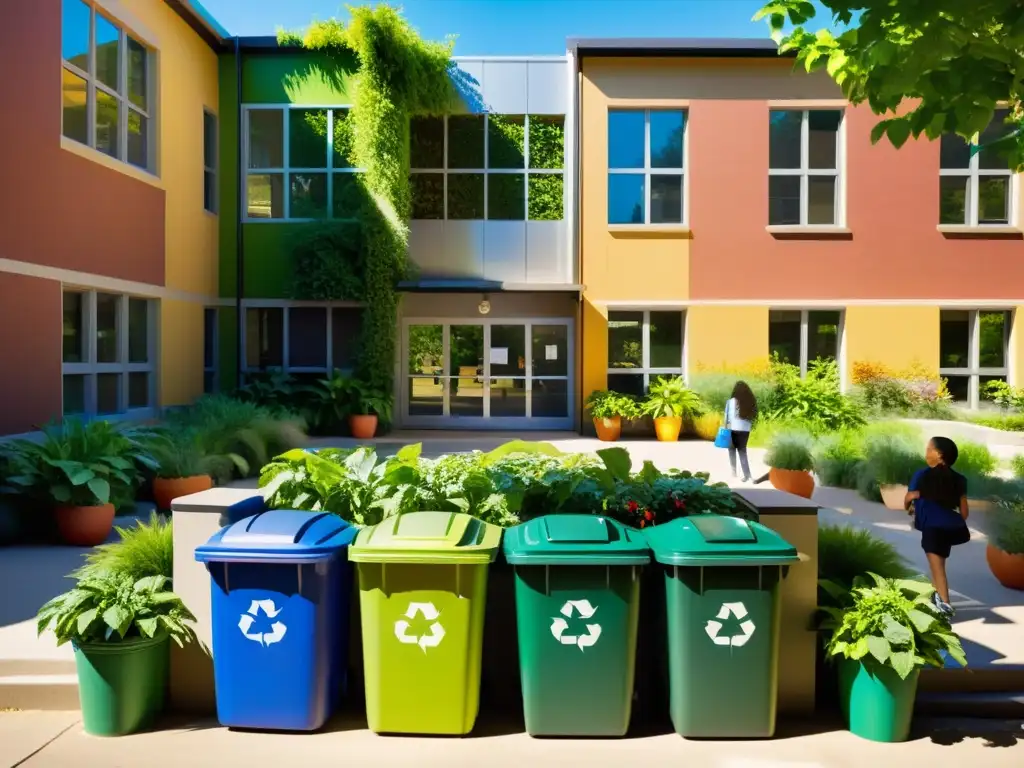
x,y
876,702
122,686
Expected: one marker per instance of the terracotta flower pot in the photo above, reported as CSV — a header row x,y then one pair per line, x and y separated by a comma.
x,y
608,429
363,426
667,428
167,489
980,505
893,496
1007,568
85,526
795,481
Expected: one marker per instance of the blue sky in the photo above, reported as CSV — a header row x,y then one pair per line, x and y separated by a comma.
x,y
506,27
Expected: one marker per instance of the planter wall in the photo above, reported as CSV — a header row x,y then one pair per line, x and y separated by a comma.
x,y
1006,567
794,481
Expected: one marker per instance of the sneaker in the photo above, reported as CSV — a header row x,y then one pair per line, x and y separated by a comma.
x,y
945,608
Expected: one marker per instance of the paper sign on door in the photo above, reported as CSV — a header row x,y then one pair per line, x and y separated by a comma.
x,y
550,351
499,355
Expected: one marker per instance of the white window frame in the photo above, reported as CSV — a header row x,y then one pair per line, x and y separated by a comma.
x,y
974,370
973,173
287,306
121,94
805,172
285,171
805,333
486,170
647,171
210,163
90,368
645,368
213,370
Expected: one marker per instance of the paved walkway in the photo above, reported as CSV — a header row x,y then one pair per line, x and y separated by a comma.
x,y
55,740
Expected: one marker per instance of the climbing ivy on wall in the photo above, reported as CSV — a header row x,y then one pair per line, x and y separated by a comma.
x,y
399,75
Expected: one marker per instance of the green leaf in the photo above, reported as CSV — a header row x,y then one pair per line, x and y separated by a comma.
x,y
85,620
118,618
61,493
617,462
903,663
409,453
100,488
896,633
898,131
859,649
148,627
922,621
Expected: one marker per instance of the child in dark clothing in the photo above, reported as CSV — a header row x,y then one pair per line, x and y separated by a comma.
x,y
937,498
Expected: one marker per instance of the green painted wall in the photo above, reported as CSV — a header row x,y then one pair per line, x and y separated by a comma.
x,y
267,271
228,175
298,78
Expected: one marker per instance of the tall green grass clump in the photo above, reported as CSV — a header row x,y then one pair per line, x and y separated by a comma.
x,y
144,550
838,457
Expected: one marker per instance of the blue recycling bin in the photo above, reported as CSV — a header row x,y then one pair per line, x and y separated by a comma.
x,y
281,593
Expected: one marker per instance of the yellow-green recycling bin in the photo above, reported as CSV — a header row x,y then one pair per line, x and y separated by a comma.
x,y
422,594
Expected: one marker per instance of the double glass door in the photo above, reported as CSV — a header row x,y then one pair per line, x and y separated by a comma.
x,y
488,373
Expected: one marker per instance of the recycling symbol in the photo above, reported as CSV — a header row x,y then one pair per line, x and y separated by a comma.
x,y
430,613
268,609
737,611
584,610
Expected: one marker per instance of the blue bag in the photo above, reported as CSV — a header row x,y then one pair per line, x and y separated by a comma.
x,y
724,438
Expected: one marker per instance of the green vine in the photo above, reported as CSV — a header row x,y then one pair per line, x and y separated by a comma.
x,y
327,262
399,76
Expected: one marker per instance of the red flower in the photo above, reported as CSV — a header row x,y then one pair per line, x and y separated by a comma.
x,y
643,523
632,506
648,515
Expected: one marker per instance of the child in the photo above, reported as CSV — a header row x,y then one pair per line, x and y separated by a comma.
x,y
937,498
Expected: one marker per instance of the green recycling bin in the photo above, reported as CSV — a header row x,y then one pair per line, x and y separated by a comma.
x,y
422,594
722,577
577,607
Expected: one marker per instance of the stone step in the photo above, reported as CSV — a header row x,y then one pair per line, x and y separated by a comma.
x,y
985,704
21,667
39,692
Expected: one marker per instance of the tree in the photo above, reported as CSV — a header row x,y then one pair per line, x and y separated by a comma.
x,y
928,67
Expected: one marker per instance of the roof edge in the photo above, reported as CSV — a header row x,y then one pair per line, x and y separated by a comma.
x,y
711,47
201,21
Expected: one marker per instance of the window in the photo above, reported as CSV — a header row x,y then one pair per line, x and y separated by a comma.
x,y
804,158
299,164
209,161
211,350
646,152
800,337
106,85
302,338
108,353
972,351
976,188
643,345
494,167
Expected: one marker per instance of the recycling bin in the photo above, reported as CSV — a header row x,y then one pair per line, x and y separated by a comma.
x,y
281,593
721,578
422,595
577,608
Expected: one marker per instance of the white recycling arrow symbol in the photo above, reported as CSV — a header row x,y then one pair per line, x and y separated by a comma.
x,y
268,609
430,613
584,610
739,612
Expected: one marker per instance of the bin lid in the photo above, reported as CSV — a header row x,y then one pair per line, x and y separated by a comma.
x,y
575,540
427,537
720,540
280,536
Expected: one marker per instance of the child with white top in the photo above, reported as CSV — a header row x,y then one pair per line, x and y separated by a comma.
x,y
740,411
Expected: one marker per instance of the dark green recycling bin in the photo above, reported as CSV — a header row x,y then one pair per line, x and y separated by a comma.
x,y
577,607
722,578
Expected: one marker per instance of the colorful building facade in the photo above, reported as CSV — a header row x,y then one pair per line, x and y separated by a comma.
x,y
632,209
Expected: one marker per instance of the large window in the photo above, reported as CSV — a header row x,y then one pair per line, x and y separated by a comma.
x,y
804,162
800,337
209,161
976,188
643,345
299,164
972,351
108,353
302,338
496,167
106,85
646,154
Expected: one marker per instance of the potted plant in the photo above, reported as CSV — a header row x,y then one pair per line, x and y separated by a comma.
x,y
885,631
184,466
119,630
668,402
85,471
367,405
1005,551
891,461
790,462
608,409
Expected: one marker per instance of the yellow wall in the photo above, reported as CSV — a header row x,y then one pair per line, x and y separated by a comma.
x,y
181,351
595,347
896,337
725,336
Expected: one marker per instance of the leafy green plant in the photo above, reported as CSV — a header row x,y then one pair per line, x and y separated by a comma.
x,y
604,404
847,553
893,623
837,458
669,397
1004,395
365,399
890,459
80,463
1008,423
183,453
1007,526
144,550
975,459
791,450
546,193
815,399
327,258
110,608
1017,466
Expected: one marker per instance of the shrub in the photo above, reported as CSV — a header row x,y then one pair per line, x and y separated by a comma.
x,y
791,450
183,453
991,487
837,458
846,553
975,459
890,459
706,426
1007,526
1008,423
1004,395
912,392
144,550
669,397
1017,465
815,399
605,404
716,388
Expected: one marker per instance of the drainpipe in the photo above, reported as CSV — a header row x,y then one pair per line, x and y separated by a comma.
x,y
239,235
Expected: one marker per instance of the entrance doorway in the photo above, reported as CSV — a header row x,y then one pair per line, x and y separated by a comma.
x,y
487,373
